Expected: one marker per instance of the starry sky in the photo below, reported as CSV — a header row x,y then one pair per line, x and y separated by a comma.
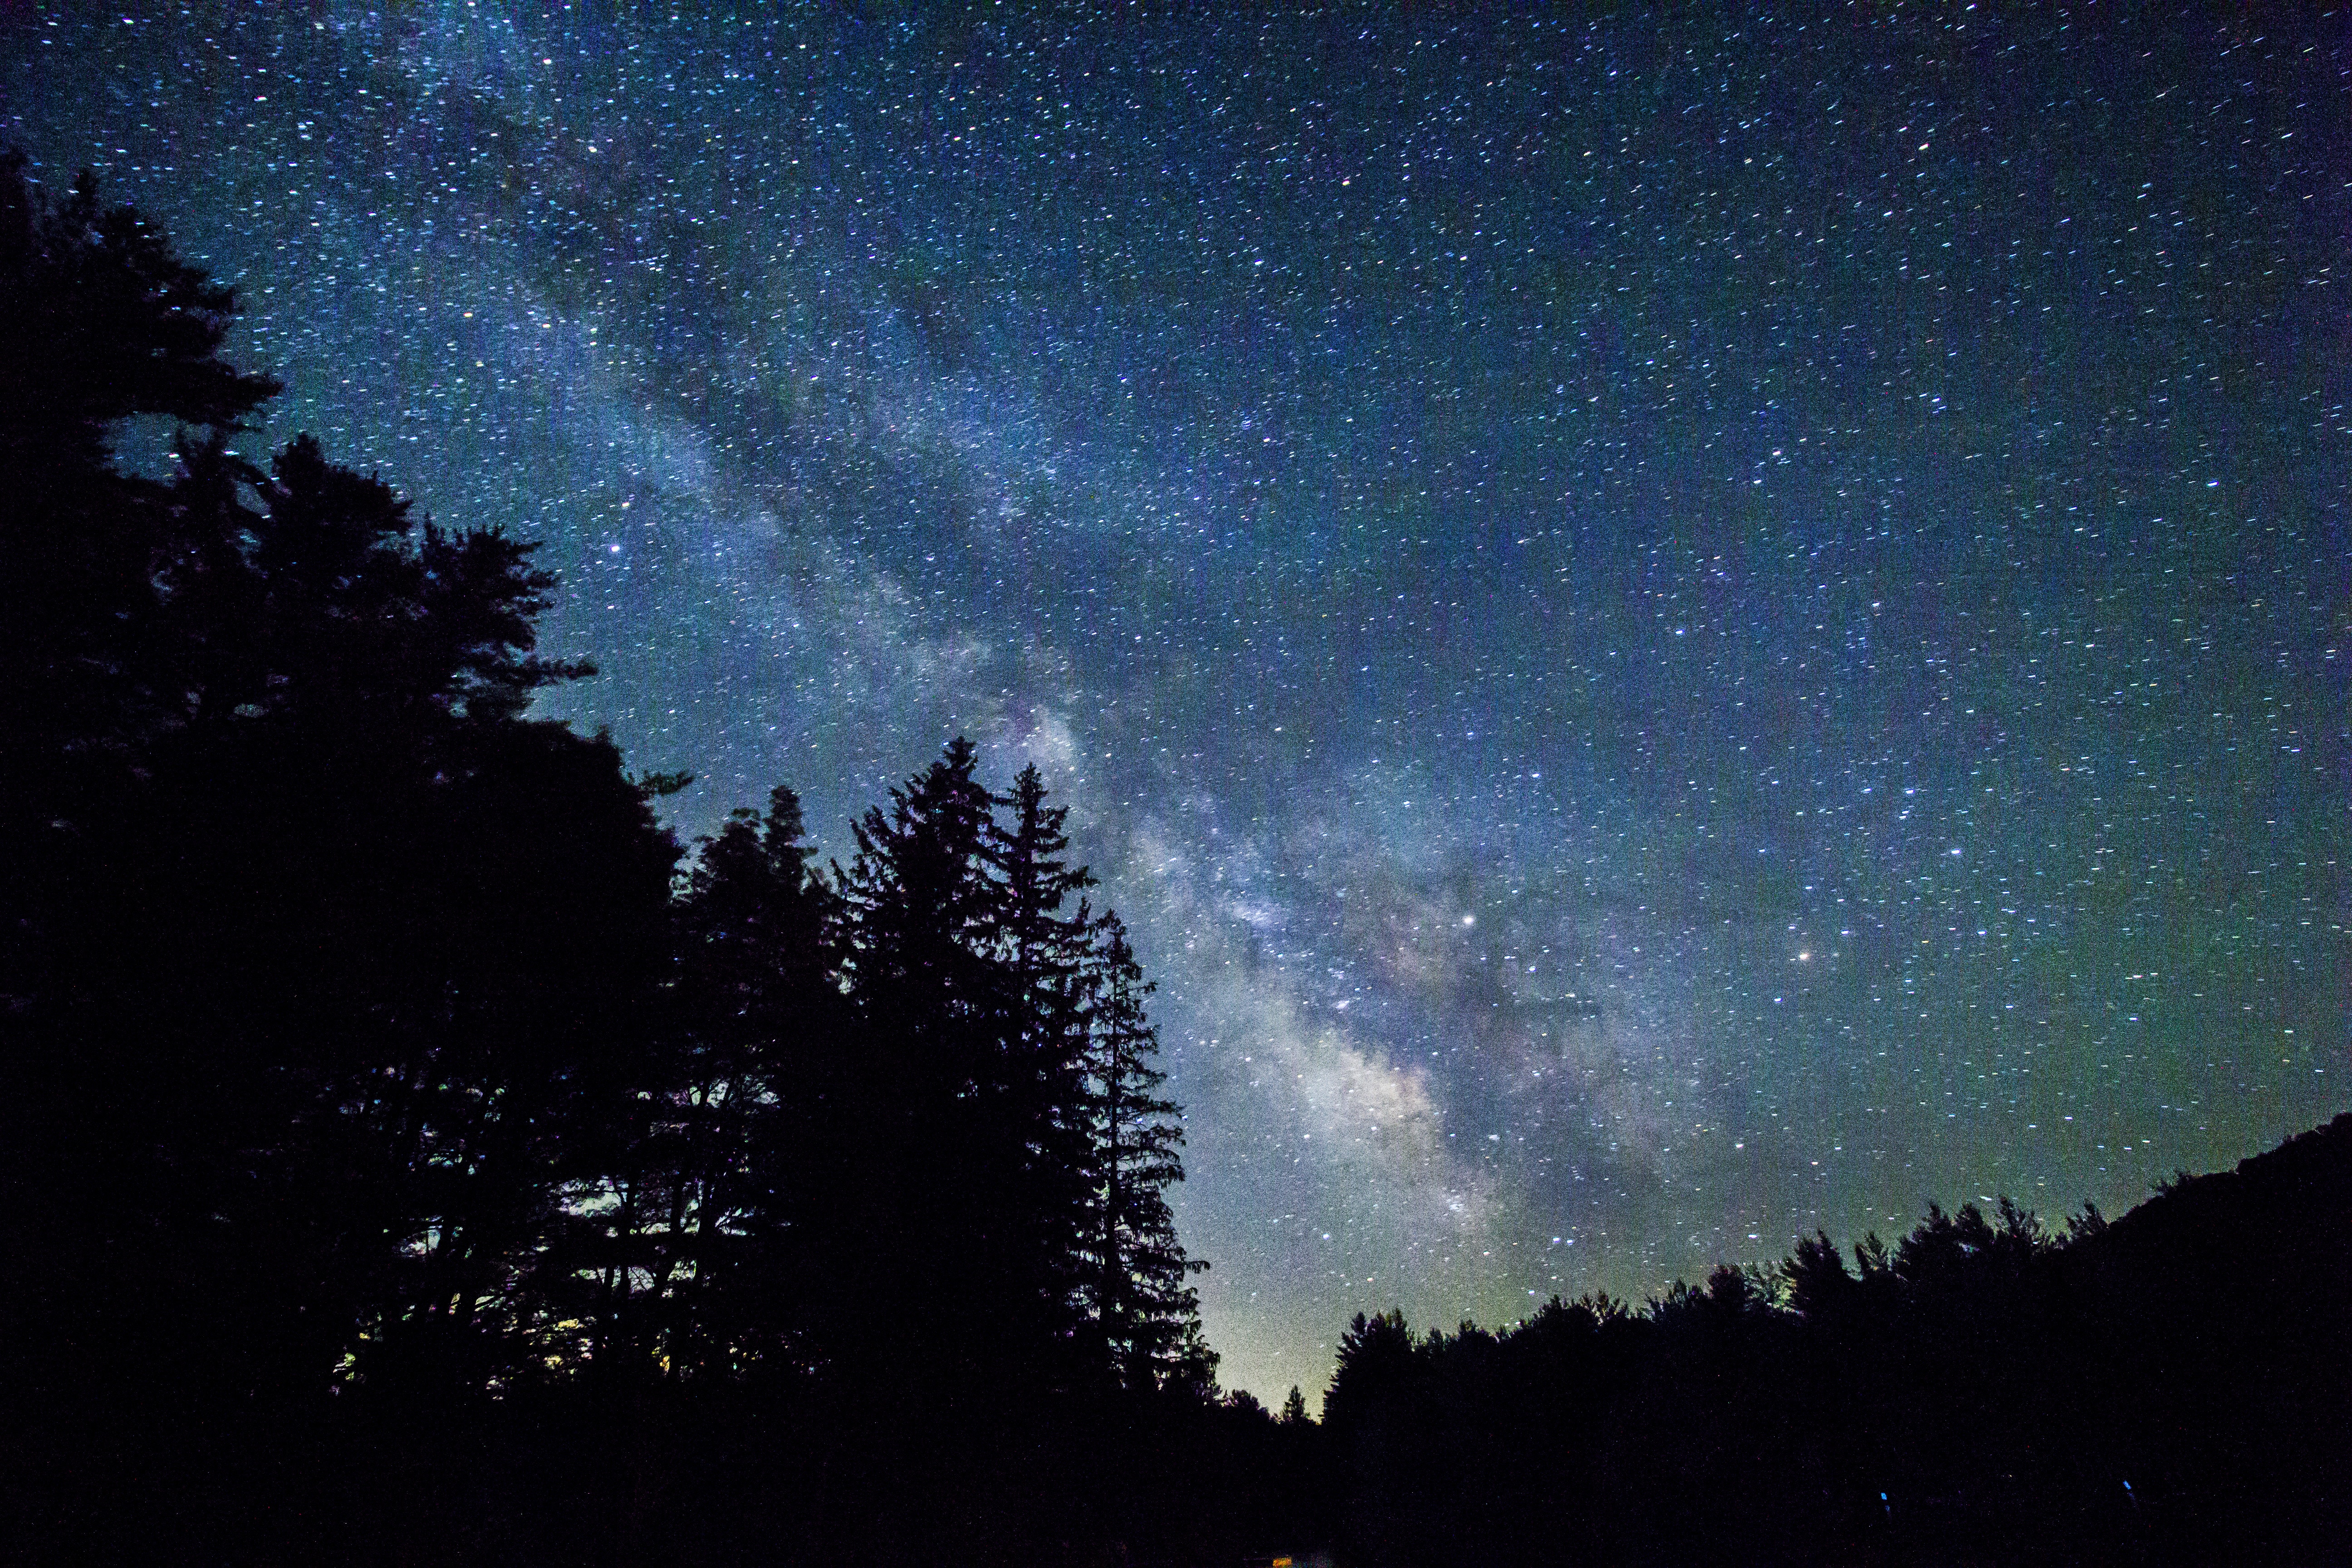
x,y
1669,631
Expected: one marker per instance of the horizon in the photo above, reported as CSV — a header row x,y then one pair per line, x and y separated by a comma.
x,y
1667,639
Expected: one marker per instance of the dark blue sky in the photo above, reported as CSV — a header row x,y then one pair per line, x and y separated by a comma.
x,y
1670,633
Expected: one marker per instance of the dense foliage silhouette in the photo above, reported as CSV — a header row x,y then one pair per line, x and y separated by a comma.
x,y
378,1074
2171,1387
409,1152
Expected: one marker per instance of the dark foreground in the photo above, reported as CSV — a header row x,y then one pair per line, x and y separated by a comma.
x,y
2171,1387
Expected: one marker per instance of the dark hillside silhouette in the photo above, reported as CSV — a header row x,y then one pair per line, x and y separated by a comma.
x,y
2171,1387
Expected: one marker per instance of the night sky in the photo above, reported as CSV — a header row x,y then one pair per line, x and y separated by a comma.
x,y
1669,633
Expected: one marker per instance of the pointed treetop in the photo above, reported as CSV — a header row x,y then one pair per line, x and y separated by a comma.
x,y
107,322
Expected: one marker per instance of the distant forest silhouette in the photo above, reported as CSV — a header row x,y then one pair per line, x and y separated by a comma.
x,y
409,1152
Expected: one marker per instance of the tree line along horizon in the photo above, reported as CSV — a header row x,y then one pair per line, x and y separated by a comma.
x,y
361,1035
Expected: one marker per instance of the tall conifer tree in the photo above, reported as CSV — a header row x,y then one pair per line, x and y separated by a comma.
x,y
934,1010
1145,1314
1044,932
679,1247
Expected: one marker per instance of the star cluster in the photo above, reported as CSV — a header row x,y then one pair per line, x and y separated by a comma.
x,y
1669,633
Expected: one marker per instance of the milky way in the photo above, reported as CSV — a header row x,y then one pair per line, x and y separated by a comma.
x,y
1668,635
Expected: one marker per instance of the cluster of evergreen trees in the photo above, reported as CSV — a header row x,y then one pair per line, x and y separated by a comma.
x,y
362,1032
2171,1387
407,1154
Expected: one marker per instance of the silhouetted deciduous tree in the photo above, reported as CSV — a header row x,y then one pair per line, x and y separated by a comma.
x,y
314,946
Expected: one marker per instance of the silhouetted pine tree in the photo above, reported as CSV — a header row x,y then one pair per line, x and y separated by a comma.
x,y
530,937
104,325
676,1250
948,1282
1043,931
765,1018
1144,1311
999,1033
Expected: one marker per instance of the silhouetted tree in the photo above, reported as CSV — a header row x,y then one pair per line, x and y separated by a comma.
x,y
939,1057
314,946
677,1247
1378,1363
1042,936
104,323
1136,1271
1819,1286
